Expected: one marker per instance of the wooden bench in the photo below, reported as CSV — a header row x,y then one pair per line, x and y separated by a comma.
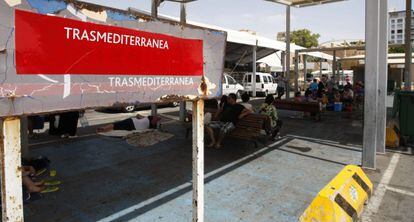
x,y
248,128
310,107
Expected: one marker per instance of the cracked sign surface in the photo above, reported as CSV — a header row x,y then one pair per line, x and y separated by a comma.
x,y
58,58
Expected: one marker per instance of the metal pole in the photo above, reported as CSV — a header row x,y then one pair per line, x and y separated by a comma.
x,y
183,14
296,70
408,50
183,110
305,71
198,160
282,61
11,179
382,74
371,84
153,109
287,75
154,8
254,70
320,66
334,64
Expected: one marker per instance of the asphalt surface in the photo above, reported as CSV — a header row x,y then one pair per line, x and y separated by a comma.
x,y
105,179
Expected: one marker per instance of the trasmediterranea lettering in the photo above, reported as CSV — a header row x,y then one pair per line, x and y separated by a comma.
x,y
114,38
149,81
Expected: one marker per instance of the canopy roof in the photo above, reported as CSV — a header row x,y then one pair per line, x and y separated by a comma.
x,y
304,3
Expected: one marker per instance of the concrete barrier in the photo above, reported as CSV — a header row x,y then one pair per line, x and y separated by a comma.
x,y
342,199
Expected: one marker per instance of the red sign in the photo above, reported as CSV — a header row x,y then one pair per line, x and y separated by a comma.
x,y
55,45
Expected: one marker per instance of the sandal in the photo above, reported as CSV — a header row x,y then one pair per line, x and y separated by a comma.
x,y
50,190
40,172
52,183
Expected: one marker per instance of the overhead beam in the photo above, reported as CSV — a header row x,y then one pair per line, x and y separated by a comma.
x,y
331,49
304,3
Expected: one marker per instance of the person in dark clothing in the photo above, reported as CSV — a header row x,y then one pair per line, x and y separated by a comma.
x,y
228,116
67,124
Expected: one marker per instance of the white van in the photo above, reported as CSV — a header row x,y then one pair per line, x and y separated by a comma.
x,y
265,83
230,85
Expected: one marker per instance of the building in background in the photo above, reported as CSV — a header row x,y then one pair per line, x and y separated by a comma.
x,y
281,36
396,27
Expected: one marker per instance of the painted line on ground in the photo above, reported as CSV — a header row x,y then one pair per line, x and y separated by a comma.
x,y
131,209
376,199
396,190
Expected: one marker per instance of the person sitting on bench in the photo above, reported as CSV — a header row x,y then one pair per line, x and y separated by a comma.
x,y
138,122
228,116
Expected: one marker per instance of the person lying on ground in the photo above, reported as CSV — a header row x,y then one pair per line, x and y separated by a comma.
x,y
229,115
138,122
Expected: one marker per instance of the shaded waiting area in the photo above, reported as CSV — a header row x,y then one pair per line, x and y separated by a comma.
x,y
105,179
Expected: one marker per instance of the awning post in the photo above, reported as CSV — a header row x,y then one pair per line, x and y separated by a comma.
x,y
334,65
183,111
153,109
11,189
154,8
320,66
254,70
382,75
408,78
183,14
305,71
371,83
296,70
198,160
287,75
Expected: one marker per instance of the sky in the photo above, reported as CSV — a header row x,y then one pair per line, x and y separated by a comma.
x,y
336,21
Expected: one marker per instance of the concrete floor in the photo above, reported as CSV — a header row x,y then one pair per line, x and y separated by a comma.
x,y
105,179
397,203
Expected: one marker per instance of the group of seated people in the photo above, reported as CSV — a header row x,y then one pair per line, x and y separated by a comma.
x,y
229,112
330,92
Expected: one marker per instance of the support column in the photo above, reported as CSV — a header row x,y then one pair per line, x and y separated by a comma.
x,y
334,65
305,71
382,75
11,180
408,50
371,84
183,14
198,160
254,70
320,66
287,74
282,61
154,8
183,111
296,70
153,109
